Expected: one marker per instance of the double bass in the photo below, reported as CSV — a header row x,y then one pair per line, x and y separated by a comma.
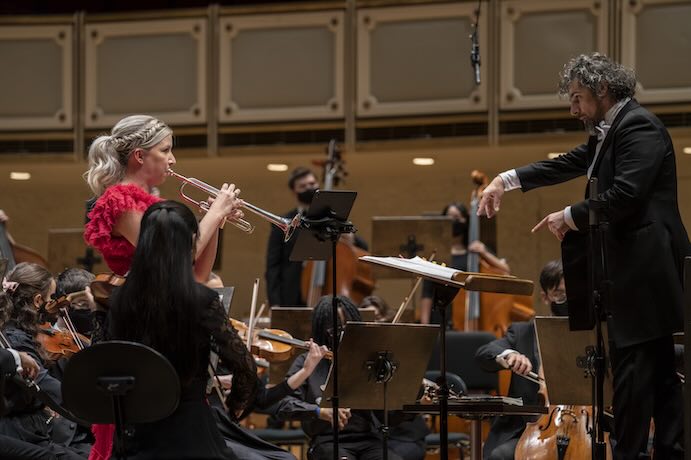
x,y
486,311
16,253
354,278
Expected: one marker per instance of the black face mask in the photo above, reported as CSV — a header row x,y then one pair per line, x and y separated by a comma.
x,y
560,309
306,196
459,228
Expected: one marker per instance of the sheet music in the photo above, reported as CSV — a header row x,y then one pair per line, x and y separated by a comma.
x,y
419,266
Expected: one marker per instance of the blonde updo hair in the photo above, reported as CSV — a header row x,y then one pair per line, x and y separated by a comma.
x,y
108,155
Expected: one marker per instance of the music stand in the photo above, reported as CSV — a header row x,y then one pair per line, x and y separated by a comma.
x,y
119,383
562,355
383,367
447,282
225,294
321,228
411,236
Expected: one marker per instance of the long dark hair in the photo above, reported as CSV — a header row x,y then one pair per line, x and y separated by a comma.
x,y
31,279
322,322
159,303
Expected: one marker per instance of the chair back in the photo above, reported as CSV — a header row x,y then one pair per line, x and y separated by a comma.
x,y
460,359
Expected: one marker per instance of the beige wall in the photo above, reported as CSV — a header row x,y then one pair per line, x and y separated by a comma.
x,y
386,180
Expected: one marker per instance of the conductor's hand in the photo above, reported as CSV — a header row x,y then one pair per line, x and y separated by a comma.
x,y
518,363
226,203
29,366
314,356
491,198
3,216
326,413
556,224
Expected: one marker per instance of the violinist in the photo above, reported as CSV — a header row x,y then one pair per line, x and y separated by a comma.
x,y
162,306
71,281
359,438
13,362
125,167
29,287
459,258
244,443
518,350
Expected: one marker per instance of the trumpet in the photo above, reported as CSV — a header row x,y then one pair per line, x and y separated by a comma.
x,y
287,226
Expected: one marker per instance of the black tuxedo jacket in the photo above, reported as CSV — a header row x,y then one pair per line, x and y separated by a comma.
x,y
519,337
646,240
282,275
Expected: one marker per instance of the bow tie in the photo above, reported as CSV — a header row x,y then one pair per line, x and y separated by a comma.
x,y
601,130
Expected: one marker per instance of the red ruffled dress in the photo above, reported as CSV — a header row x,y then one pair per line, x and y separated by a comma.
x,y
118,254
98,233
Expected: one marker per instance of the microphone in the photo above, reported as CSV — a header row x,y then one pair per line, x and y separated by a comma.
x,y
475,55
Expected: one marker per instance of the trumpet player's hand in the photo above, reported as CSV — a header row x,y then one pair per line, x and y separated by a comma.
x,y
226,204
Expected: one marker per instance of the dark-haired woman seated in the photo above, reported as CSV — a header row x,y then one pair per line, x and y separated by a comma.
x,y
162,306
27,289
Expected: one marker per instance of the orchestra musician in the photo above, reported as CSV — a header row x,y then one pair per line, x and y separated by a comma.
x,y
243,442
124,169
28,288
459,259
631,154
70,281
13,362
162,306
283,275
358,439
518,350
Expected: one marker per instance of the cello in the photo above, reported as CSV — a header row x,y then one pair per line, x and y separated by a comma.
x,y
355,278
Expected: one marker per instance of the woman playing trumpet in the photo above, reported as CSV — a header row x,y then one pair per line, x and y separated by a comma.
x,y
124,169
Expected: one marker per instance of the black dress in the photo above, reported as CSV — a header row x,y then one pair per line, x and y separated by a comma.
x,y
191,431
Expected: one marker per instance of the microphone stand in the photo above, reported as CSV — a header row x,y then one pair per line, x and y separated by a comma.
x,y
599,300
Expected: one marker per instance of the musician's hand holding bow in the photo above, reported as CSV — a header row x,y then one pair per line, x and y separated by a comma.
x,y
490,200
518,363
556,223
29,366
326,413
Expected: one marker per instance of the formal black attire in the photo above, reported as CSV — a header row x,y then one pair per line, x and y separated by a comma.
x,y
507,430
243,442
359,439
191,432
26,420
646,242
282,275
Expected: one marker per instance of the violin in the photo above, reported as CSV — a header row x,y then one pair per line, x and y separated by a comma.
x,y
57,343
274,345
563,433
102,286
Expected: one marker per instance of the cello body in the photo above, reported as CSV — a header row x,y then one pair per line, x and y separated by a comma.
x,y
561,434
